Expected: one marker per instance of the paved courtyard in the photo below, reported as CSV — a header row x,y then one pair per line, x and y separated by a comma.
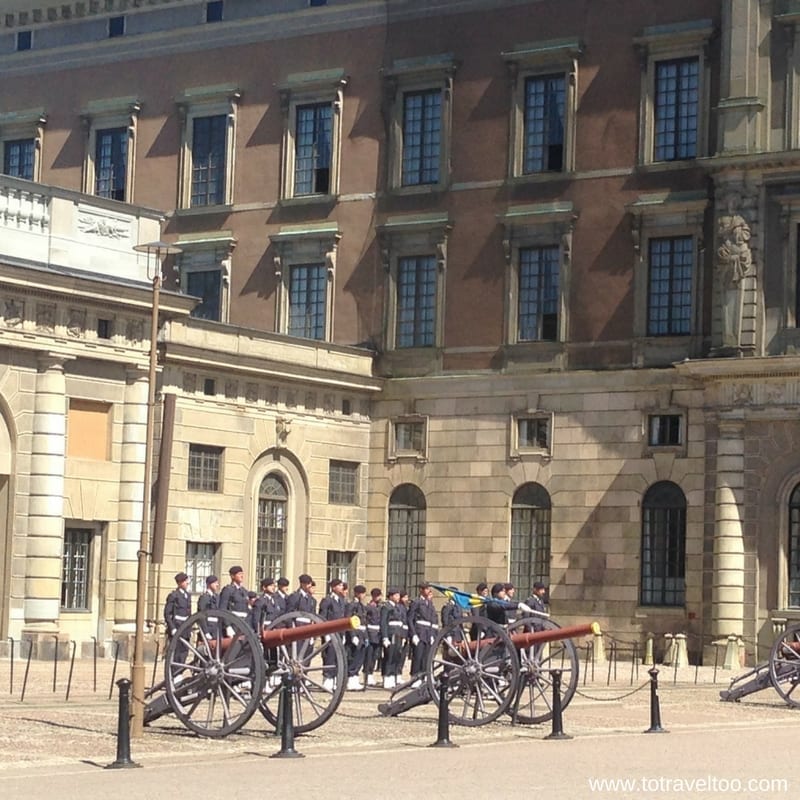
x,y
711,746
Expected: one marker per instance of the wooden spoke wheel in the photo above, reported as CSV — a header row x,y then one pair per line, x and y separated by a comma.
x,y
784,665
482,670
214,673
533,703
315,668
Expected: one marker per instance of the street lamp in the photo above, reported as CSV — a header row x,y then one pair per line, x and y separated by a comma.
x,y
160,249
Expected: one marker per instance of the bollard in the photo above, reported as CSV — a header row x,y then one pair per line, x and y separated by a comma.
x,y
669,650
123,729
443,731
731,653
655,710
648,659
27,670
558,723
55,661
114,669
71,669
94,663
11,666
287,721
681,652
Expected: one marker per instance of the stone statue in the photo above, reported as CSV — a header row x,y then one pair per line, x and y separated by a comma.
x,y
734,262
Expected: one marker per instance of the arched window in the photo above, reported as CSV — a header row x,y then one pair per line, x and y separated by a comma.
x,y
405,566
664,545
530,536
271,533
794,548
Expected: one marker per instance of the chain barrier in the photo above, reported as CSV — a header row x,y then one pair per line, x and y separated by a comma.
x,y
612,699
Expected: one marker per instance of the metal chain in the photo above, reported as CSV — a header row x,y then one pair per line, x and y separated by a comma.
x,y
609,699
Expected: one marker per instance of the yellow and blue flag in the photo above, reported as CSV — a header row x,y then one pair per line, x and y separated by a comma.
x,y
464,600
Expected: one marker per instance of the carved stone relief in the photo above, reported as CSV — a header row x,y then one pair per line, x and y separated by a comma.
x,y
13,312
76,322
45,317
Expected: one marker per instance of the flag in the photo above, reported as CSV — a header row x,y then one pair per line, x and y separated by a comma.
x,y
464,600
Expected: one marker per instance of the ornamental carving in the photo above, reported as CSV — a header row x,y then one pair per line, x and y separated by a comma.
x,y
107,228
251,393
190,383
13,312
231,389
134,331
45,318
76,322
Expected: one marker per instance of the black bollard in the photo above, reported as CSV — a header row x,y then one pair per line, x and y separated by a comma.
x,y
443,732
287,721
558,723
124,728
655,709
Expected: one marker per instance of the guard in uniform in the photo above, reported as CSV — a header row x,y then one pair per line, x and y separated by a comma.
x,y
357,639
177,610
332,606
451,614
423,627
372,657
302,599
393,621
233,597
266,608
209,601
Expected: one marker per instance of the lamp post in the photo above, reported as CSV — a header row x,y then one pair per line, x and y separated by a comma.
x,y
160,249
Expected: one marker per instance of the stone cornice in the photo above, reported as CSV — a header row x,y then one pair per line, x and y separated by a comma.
x,y
739,369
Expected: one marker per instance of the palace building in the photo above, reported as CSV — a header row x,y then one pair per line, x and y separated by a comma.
x,y
466,291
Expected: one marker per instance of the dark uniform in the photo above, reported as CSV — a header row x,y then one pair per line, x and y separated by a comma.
x,y
177,609
333,606
423,627
357,639
372,657
451,614
235,598
209,601
393,638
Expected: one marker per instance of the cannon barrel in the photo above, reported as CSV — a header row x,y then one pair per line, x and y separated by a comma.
x,y
272,637
520,640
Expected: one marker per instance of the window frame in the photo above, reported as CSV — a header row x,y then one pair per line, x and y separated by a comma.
x,y
413,75
414,538
205,450
519,451
298,245
267,554
311,89
395,453
531,226
339,482
23,125
193,562
539,59
211,252
664,43
403,237
538,548
90,558
200,103
680,448
103,115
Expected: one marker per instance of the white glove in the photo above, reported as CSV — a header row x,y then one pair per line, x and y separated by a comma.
x,y
448,639
526,608
386,642
172,631
327,638
355,640
415,640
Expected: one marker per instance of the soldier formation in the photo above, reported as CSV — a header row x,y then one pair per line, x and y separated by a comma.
x,y
391,631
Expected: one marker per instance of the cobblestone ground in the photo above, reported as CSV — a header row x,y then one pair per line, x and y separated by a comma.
x,y
45,728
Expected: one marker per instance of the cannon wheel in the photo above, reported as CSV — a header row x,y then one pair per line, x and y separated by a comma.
x,y
534,702
784,665
213,683
314,702
482,668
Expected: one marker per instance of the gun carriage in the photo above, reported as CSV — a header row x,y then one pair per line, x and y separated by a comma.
x,y
490,671
781,671
218,671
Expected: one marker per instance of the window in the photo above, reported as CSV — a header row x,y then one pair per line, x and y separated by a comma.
x,y
415,256
116,27
76,569
668,230
89,430
209,116
19,158
305,269
314,3
674,101
110,161
529,557
676,108
214,10
271,533
664,430
663,545
416,301
343,483
418,95
209,387
21,134
312,106
405,567
670,285
538,294
537,243
408,438
531,435
308,285
104,328
793,555
544,78
201,561
340,564
204,266
204,468
24,40
111,126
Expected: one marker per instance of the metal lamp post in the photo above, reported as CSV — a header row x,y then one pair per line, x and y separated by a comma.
x,y
160,249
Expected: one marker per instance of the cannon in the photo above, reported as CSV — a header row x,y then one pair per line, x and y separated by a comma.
x,y
781,671
218,671
489,671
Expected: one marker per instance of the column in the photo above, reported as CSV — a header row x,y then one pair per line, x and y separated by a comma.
x,y
45,537
134,431
727,582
